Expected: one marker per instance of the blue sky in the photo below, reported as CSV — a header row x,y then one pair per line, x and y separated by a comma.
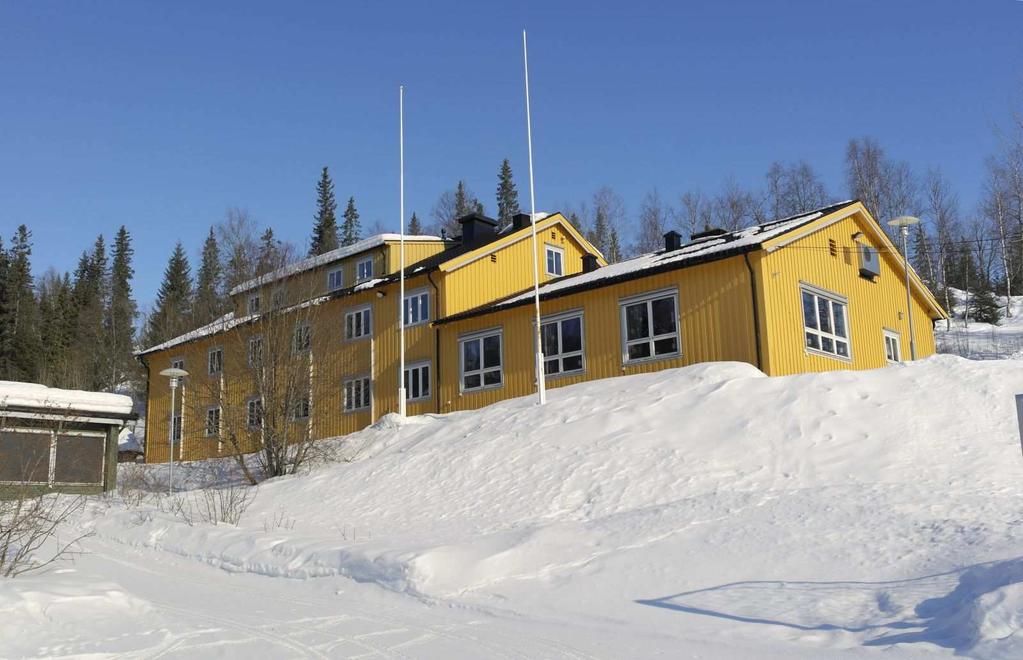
x,y
160,116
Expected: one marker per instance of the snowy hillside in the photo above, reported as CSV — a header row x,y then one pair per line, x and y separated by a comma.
x,y
706,512
982,341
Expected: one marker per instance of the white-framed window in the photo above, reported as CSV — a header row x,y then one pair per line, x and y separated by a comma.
x,y
562,341
417,381
650,326
555,260
177,363
254,412
302,338
253,304
215,361
213,421
417,307
176,427
358,323
480,360
357,392
892,346
364,270
255,350
277,300
300,409
825,326
335,279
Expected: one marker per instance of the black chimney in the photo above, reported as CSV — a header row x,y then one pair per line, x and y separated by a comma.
x,y
708,232
590,263
477,229
672,241
520,221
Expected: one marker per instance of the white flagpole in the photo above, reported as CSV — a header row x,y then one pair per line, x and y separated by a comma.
x,y
401,278
541,385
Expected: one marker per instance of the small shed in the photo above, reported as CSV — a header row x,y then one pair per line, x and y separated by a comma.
x,y
55,440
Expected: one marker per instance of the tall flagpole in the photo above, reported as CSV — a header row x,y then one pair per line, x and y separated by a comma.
x,y
541,385
401,278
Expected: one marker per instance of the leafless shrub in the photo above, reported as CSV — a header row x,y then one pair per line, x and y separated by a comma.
x,y
134,484
210,505
279,520
27,523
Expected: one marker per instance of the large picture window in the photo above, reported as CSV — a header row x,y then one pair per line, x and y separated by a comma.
x,y
358,323
650,327
562,339
481,363
825,327
357,394
417,381
417,307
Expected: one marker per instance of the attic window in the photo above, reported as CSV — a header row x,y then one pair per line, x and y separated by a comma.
x,y
832,247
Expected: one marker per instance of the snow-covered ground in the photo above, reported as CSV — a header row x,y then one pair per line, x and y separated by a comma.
x,y
982,341
702,512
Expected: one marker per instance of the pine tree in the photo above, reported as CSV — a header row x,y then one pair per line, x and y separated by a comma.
x,y
415,227
466,202
325,233
21,350
172,313
121,312
600,235
92,293
984,306
614,248
350,229
507,196
208,303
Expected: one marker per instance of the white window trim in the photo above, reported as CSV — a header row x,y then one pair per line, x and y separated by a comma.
x,y
248,417
557,318
623,329
561,252
206,421
249,305
209,360
295,349
367,393
176,361
480,335
415,294
887,334
429,381
367,333
248,348
178,420
358,269
308,411
341,278
833,297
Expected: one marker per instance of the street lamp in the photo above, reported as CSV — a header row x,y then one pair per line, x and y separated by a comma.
x,y
903,223
175,376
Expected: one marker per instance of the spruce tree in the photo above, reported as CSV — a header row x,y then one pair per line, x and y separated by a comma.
x,y
325,233
507,196
984,307
91,293
269,253
600,236
350,229
21,350
121,312
415,227
208,303
172,312
466,202
614,248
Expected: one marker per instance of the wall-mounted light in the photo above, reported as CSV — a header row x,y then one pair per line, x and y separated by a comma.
x,y
381,294
857,236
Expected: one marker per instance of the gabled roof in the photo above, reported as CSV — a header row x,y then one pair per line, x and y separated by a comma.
x,y
702,250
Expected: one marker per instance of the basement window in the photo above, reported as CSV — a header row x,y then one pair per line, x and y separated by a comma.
x,y
417,382
555,261
892,347
562,340
650,327
357,394
825,325
481,361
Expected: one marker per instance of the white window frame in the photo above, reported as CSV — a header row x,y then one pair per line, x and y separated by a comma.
x,y
306,402
177,425
252,306
302,338
216,419
366,312
896,339
558,252
651,339
833,299
417,296
250,354
357,400
219,350
335,279
360,276
277,299
415,371
251,412
177,363
483,370
561,355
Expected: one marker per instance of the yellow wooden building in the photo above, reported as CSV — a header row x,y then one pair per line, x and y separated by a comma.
x,y
823,290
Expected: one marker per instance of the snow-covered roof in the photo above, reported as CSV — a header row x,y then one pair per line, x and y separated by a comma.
x,y
702,249
310,263
33,395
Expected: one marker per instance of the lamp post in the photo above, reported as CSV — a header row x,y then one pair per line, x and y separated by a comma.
x,y
175,376
903,223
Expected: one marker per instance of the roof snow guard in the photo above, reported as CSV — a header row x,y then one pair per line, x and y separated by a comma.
x,y
709,247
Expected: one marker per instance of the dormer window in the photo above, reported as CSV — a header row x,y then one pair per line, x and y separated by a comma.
x,y
364,270
335,279
555,261
253,305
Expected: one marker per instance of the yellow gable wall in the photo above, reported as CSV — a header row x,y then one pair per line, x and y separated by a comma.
x,y
873,306
715,306
510,268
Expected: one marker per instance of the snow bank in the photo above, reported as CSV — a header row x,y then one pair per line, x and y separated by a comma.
x,y
14,394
